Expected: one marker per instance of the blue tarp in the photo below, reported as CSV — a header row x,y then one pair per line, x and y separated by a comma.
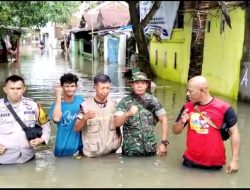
x,y
113,44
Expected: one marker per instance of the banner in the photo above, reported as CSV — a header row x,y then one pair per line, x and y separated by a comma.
x,y
163,21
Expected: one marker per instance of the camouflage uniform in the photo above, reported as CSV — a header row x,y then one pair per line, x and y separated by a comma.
x,y
138,131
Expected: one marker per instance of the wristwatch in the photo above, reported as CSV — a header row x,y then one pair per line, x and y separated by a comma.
x,y
165,142
80,117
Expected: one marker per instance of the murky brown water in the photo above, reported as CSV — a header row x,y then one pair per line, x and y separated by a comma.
x,y
42,71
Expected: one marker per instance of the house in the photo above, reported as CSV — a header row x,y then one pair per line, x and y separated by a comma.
x,y
225,57
9,44
53,33
95,40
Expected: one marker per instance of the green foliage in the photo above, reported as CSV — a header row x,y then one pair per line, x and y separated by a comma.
x,y
36,13
61,11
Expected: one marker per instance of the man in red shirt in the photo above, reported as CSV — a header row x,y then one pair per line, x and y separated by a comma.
x,y
204,115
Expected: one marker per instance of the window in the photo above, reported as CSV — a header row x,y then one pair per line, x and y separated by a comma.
x,y
156,57
208,26
175,60
165,59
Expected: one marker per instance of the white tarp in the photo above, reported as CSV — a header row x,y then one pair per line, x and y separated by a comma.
x,y
163,21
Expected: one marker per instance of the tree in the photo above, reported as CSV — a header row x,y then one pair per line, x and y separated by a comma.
x,y
60,12
198,36
200,12
20,14
23,13
35,13
138,27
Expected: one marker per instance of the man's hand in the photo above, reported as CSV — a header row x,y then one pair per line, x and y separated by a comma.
x,y
233,167
2,149
184,116
90,114
132,111
36,142
59,91
162,150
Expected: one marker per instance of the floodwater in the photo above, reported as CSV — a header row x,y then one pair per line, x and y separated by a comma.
x,y
42,71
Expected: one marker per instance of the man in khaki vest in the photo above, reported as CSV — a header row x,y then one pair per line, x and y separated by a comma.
x,y
95,119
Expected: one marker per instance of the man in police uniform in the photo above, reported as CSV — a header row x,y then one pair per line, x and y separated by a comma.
x,y
139,112
14,146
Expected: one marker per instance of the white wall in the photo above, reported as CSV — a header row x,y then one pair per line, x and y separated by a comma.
x,y
122,50
50,29
105,43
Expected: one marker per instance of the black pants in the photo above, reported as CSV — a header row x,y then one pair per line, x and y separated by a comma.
x,y
189,163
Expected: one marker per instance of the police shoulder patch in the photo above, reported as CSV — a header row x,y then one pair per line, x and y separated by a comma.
x,y
42,115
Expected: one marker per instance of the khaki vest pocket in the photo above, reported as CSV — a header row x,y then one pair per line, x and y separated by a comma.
x,y
92,121
92,129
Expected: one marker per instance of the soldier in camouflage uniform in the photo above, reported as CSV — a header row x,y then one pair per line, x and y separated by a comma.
x,y
138,113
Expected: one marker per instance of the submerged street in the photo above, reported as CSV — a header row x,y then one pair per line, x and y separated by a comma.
x,y
42,69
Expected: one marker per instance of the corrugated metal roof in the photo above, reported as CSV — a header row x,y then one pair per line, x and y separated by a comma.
x,y
108,14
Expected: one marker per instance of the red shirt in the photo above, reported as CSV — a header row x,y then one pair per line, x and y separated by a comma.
x,y
204,143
